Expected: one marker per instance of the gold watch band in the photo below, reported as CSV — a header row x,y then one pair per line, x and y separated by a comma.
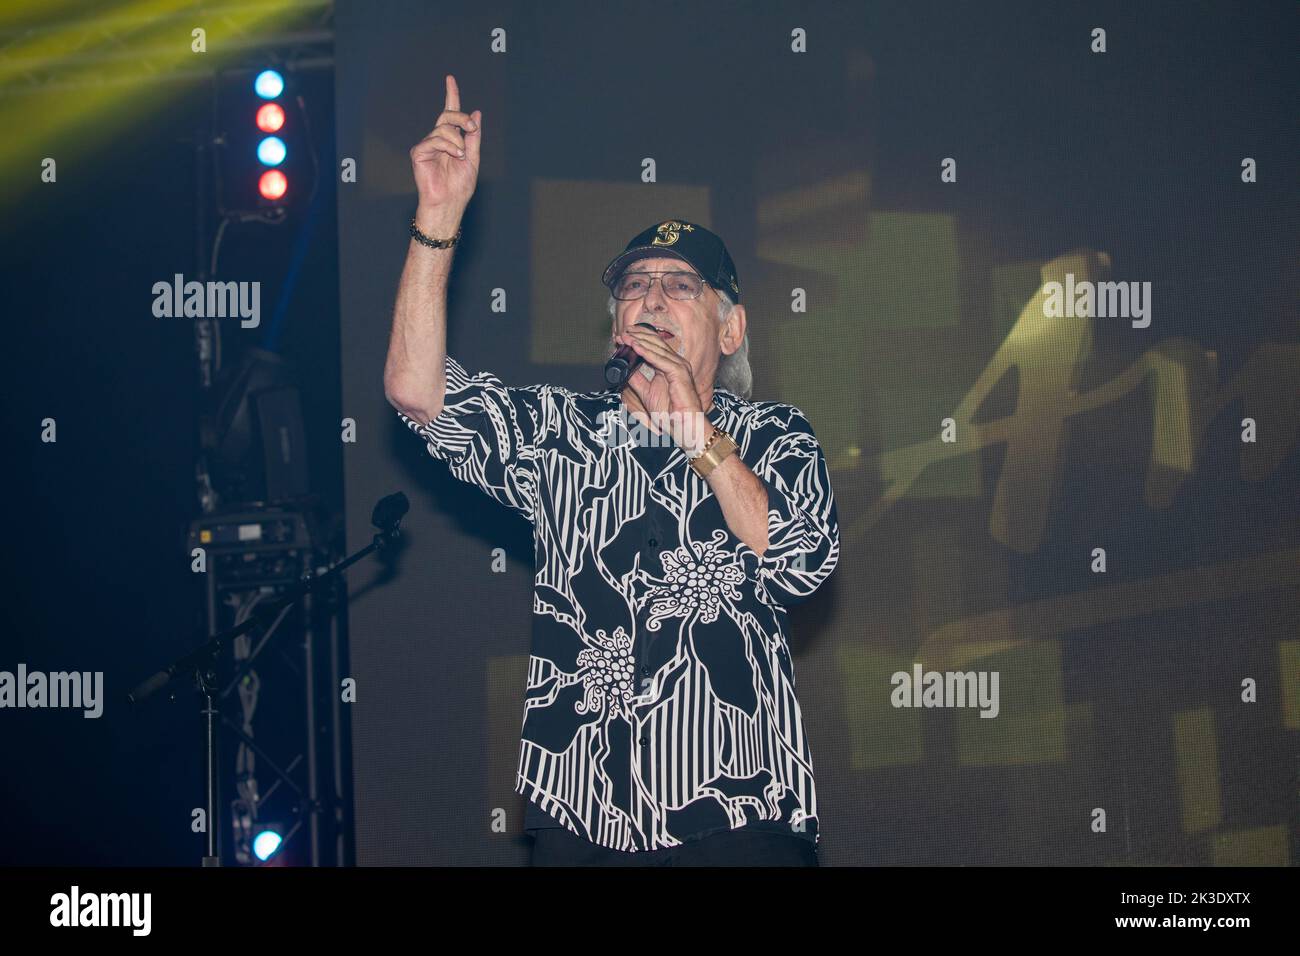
x,y
719,446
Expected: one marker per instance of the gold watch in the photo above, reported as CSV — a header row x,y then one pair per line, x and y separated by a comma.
x,y
716,450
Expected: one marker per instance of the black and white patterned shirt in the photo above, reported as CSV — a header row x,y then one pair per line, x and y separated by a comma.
x,y
660,705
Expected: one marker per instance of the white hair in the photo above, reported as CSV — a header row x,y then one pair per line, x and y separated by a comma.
x,y
733,373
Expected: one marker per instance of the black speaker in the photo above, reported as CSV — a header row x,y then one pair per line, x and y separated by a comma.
x,y
253,435
283,442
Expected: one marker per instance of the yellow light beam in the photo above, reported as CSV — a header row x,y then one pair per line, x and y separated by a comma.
x,y
69,126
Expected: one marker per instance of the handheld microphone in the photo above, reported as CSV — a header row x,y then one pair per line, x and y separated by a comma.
x,y
623,363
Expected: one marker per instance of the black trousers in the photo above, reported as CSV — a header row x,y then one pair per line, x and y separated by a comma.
x,y
556,846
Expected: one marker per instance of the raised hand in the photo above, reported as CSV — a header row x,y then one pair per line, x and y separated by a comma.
x,y
445,163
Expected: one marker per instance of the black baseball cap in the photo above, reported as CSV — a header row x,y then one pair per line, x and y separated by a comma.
x,y
688,241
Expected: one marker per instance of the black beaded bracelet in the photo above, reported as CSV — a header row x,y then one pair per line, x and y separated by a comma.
x,y
424,240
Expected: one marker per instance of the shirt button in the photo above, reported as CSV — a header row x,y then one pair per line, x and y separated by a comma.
x,y
653,543
645,669
644,740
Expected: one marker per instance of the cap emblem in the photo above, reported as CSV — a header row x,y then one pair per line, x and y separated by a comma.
x,y
670,231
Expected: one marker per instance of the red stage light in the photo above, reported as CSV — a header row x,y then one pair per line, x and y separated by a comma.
x,y
270,117
273,184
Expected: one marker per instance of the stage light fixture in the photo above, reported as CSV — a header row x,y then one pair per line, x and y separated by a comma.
x,y
270,117
273,184
265,844
269,84
271,151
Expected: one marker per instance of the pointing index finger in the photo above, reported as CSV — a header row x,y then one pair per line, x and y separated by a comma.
x,y
453,95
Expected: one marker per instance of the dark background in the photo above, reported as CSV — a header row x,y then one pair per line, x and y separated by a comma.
x,y
821,171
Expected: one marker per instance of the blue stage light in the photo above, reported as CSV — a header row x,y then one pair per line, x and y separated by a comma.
x,y
269,84
271,151
265,844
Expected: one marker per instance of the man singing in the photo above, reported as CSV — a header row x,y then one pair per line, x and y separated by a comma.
x,y
675,521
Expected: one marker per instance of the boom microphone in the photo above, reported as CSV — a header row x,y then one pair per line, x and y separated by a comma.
x,y
389,511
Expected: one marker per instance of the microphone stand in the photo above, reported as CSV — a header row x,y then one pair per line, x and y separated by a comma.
x,y
201,663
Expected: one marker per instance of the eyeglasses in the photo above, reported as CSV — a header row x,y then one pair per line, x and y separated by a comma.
x,y
676,285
